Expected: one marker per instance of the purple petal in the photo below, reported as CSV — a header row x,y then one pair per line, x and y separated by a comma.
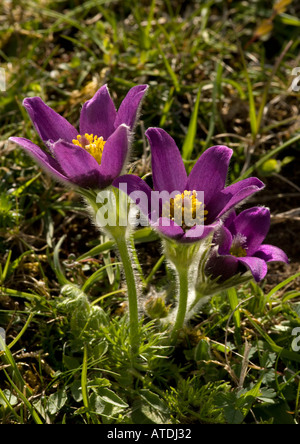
x,y
168,228
254,224
257,266
221,266
198,232
140,193
98,115
49,124
167,166
44,159
228,221
78,165
233,195
115,153
210,171
270,253
129,108
223,239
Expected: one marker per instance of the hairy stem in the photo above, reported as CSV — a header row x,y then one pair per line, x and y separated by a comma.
x,y
132,294
112,217
182,303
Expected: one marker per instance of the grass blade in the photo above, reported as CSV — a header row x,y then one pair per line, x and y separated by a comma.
x,y
216,89
252,108
155,269
267,156
8,404
287,354
22,188
167,107
143,235
19,294
12,343
189,140
267,88
9,359
234,305
281,285
170,70
3,273
84,380
95,276
29,406
56,264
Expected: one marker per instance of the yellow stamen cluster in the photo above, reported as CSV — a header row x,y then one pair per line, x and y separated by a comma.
x,y
238,251
238,246
93,144
185,209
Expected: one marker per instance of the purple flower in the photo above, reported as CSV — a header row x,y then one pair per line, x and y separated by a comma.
x,y
239,246
204,189
95,156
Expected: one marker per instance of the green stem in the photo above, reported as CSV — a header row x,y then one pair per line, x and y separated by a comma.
x,y
117,203
132,294
182,304
185,258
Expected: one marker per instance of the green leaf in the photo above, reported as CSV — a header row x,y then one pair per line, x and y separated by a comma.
x,y
233,415
56,401
278,412
267,395
70,362
100,349
154,400
110,397
247,399
96,403
7,397
202,350
142,413
236,405
8,400
76,390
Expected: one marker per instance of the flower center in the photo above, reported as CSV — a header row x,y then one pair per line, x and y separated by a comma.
x,y
238,246
185,209
93,144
